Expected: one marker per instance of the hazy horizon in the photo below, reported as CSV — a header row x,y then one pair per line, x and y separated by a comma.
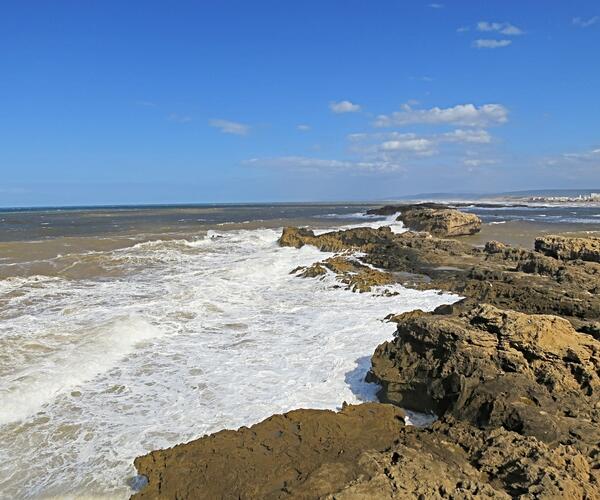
x,y
414,196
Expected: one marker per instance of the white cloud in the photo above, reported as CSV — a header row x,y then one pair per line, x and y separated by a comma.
x,y
303,127
467,115
344,107
357,136
308,163
469,136
591,155
502,28
463,29
478,162
411,144
228,127
590,158
403,146
490,44
176,117
436,5
585,23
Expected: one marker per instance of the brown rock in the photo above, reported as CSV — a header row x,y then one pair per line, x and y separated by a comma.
x,y
566,248
518,394
492,368
354,275
441,222
435,218
365,452
303,453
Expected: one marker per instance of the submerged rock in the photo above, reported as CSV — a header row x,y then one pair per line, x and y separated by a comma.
x,y
394,209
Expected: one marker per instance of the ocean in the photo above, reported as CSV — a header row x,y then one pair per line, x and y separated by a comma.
x,y
128,330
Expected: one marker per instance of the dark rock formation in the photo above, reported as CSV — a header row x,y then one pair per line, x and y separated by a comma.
x,y
565,248
394,209
493,368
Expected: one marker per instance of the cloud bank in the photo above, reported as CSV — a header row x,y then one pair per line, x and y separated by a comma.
x,y
466,115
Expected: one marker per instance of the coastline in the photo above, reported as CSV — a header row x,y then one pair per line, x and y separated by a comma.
x,y
228,291
465,398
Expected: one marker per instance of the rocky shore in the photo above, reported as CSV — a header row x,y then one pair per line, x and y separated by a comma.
x,y
512,371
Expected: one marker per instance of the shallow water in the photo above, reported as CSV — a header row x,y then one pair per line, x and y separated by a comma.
x,y
175,338
557,214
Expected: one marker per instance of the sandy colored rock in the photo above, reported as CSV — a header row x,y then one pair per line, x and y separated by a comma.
x,y
435,218
364,452
349,271
493,368
302,454
565,248
441,222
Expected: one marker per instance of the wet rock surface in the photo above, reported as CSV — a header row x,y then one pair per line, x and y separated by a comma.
x,y
349,271
512,371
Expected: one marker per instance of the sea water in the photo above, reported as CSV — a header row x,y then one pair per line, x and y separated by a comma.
x,y
167,340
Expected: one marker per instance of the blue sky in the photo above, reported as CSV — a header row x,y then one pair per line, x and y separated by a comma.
x,y
224,101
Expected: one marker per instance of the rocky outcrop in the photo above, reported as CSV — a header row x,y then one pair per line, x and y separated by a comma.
x,y
565,248
363,239
291,455
348,271
533,374
365,452
436,219
441,222
501,275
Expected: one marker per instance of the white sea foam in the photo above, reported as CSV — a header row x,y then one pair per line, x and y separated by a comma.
x,y
61,360
198,336
373,222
